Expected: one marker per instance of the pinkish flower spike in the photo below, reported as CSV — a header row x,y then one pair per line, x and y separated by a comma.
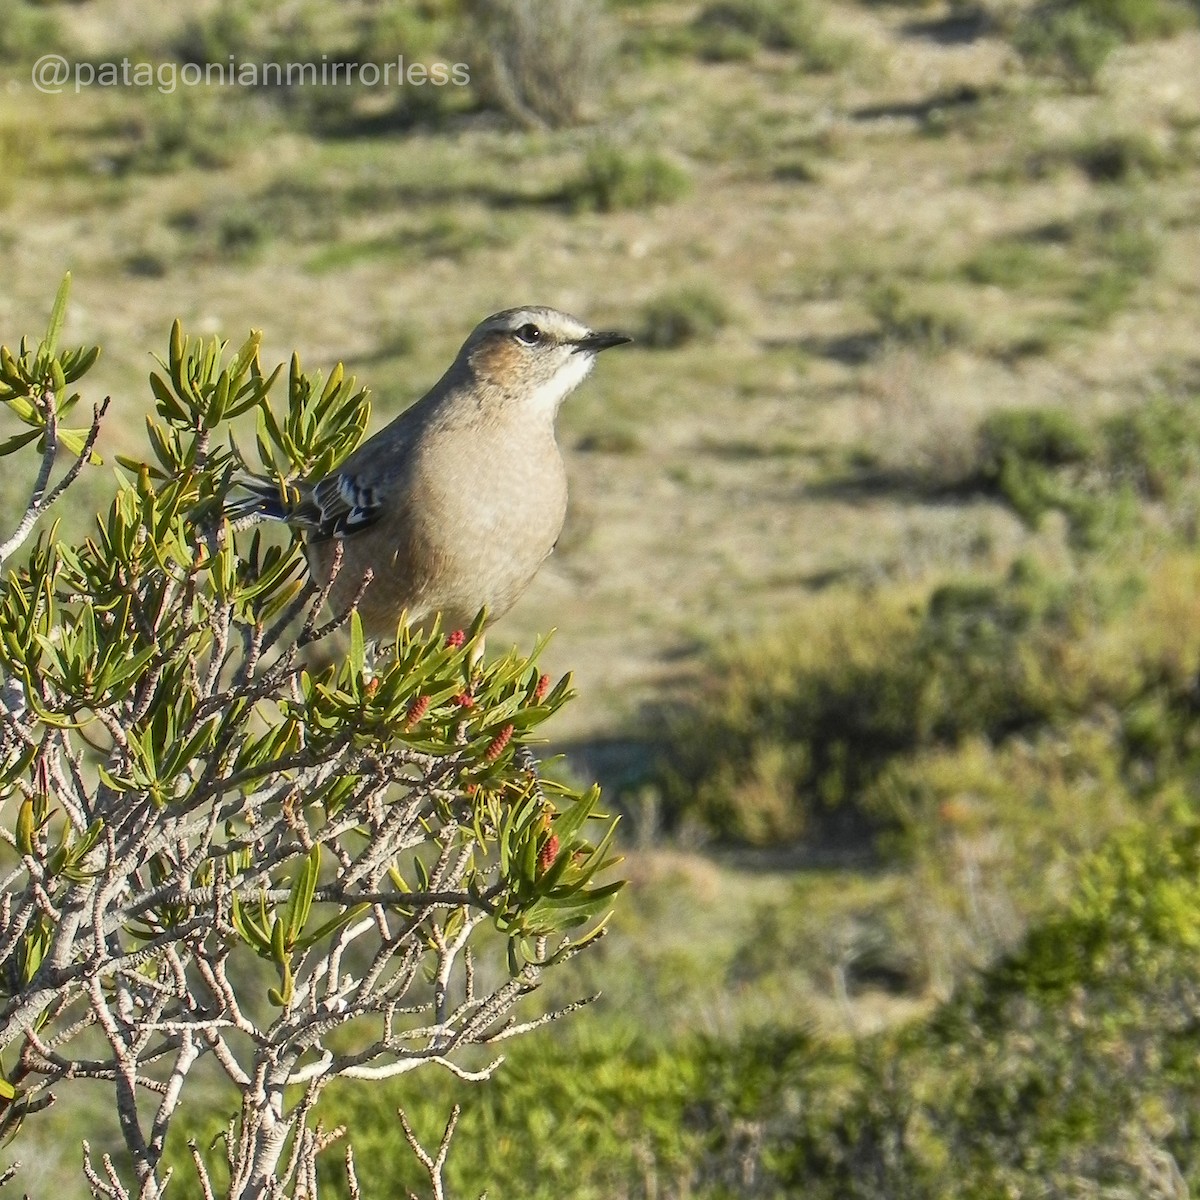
x,y
498,743
416,710
547,854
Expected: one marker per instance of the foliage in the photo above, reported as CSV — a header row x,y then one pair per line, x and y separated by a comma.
x,y
1039,460
681,316
1069,1065
613,178
734,29
788,736
27,32
229,840
1075,37
540,62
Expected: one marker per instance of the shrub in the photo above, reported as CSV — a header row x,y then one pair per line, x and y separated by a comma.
x,y
540,62
1156,446
1066,1067
613,178
783,735
26,32
788,736
734,29
1074,38
911,322
260,31
220,848
189,127
1066,41
1119,158
682,316
1040,460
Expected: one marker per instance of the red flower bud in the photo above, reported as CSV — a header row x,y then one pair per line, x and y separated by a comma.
x,y
464,700
548,853
543,686
371,687
496,748
456,639
416,710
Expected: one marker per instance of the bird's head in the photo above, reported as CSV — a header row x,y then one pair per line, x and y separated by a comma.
x,y
536,356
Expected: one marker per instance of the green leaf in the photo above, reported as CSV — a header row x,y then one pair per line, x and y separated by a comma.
x,y
14,443
58,314
75,440
300,902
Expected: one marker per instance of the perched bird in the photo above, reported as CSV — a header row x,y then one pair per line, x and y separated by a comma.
x,y
455,504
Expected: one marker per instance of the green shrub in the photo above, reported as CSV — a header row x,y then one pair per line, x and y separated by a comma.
x,y
26,32
1156,446
1039,460
1065,41
1121,157
191,127
259,30
912,322
1066,1067
735,29
1074,38
613,178
1138,20
789,736
687,315
1091,264
1034,459
1066,1070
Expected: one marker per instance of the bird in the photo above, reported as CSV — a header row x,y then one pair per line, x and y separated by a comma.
x,y
455,504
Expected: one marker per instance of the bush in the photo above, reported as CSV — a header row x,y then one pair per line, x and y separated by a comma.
x,y
1156,447
788,736
540,62
1024,456
1040,460
687,315
197,127
227,839
734,29
26,32
1066,41
1066,1068
910,322
613,178
1074,38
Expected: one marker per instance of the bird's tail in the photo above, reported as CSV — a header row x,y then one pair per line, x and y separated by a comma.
x,y
264,499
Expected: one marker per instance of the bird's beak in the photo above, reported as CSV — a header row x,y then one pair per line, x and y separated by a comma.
x,y
593,343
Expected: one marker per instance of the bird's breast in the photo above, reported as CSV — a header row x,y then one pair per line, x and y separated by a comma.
x,y
490,510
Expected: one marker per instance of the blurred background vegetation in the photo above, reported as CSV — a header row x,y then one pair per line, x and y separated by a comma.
x,y
881,581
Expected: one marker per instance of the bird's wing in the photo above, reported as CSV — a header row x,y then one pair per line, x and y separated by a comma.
x,y
366,485
345,501
341,504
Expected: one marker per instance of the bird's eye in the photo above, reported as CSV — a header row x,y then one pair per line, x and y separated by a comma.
x,y
529,334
